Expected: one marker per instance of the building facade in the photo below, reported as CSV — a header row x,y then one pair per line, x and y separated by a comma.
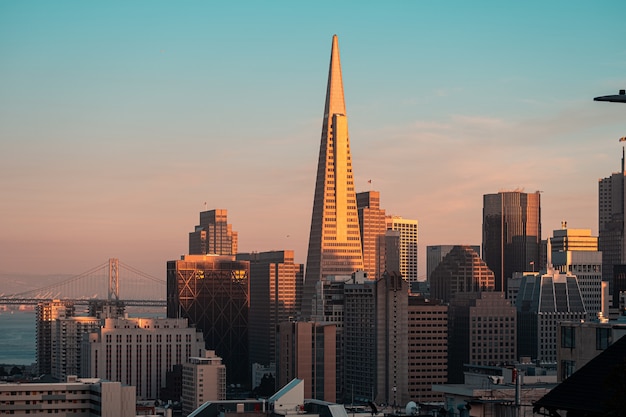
x,y
483,331
47,313
461,270
275,290
73,398
575,251
611,221
373,226
511,234
204,379
67,340
307,351
213,236
436,253
428,348
542,302
140,351
392,301
212,292
408,245
334,240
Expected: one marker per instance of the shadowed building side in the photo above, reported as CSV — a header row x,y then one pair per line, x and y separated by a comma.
x,y
334,240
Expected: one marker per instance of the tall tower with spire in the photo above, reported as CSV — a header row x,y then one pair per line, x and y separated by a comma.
x,y
334,241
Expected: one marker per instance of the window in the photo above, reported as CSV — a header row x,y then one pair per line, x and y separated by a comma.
x,y
603,338
567,369
567,337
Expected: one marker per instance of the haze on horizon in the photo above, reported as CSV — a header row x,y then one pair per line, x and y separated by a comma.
x,y
119,120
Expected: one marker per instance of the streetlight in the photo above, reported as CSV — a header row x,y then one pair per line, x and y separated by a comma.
x,y
618,98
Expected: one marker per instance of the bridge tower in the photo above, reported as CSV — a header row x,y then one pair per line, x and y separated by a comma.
x,y
114,283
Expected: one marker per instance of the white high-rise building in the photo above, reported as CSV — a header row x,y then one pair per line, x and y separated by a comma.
x,y
408,245
67,339
204,379
139,351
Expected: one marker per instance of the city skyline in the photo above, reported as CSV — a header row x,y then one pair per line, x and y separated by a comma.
x,y
119,123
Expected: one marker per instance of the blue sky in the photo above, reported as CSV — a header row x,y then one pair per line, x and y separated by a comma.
x,y
119,120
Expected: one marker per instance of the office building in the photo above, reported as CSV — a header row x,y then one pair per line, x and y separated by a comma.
x,y
373,227
392,300
542,302
359,341
334,240
307,351
428,348
408,245
482,332
275,283
461,270
204,379
611,221
436,253
211,291
140,351
76,397
575,251
511,234
213,236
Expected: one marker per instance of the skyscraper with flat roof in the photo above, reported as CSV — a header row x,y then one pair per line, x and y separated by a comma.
x,y
511,234
213,235
334,240
408,245
373,227
611,221
275,283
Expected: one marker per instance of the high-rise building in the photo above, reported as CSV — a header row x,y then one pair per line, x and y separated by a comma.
x,y
428,351
611,223
542,302
47,314
575,251
483,331
307,351
213,236
204,379
140,351
212,292
408,245
461,270
359,342
511,234
392,300
334,240
373,227
275,283
67,339
436,253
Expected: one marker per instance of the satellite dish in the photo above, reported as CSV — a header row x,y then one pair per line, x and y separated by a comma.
x,y
411,409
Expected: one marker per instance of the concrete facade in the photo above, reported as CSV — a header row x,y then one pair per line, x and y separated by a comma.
x,y
74,398
204,379
140,351
308,352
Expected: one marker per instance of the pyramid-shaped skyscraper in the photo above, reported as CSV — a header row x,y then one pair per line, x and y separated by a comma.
x,y
335,240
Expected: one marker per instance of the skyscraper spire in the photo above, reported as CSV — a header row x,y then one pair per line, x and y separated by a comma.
x,y
334,241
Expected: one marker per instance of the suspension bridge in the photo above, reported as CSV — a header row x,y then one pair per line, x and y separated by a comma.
x,y
112,280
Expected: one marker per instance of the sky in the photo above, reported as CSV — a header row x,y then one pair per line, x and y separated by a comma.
x,y
120,121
